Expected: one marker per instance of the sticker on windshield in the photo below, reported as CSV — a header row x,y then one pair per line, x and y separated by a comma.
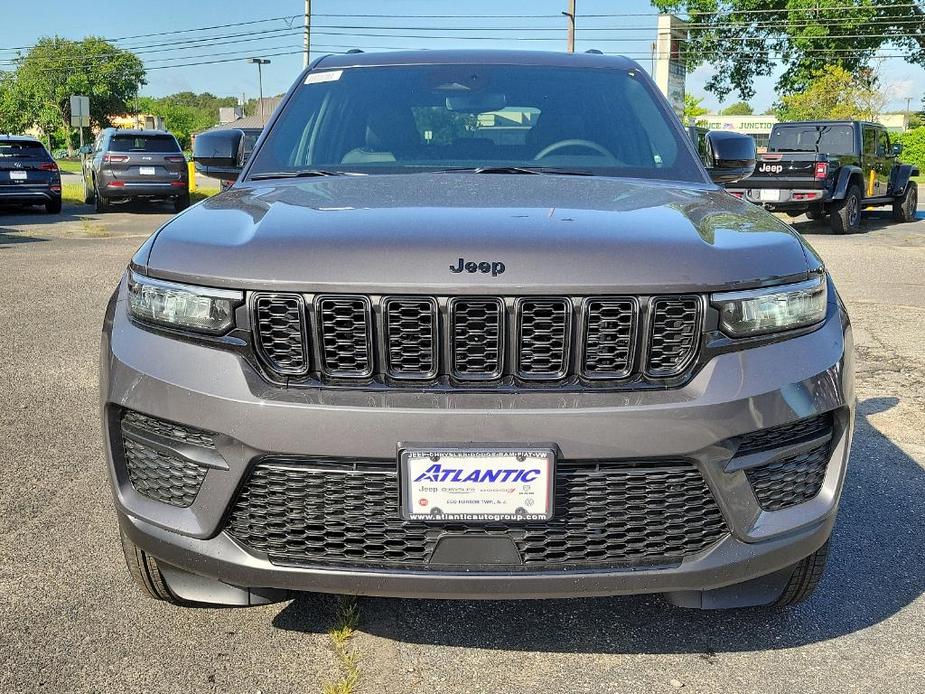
x,y
327,76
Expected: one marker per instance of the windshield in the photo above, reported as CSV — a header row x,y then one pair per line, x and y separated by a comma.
x,y
829,139
143,143
424,118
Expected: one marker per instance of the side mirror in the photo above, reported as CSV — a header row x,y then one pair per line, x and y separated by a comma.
x,y
730,156
897,148
217,154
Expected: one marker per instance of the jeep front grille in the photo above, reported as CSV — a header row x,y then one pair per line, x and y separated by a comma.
x,y
607,514
478,340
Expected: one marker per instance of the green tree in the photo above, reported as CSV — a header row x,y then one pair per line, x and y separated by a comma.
x,y
913,142
806,35
739,108
52,70
693,109
834,94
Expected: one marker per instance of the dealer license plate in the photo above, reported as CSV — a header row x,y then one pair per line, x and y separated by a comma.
x,y
147,170
18,175
769,195
477,484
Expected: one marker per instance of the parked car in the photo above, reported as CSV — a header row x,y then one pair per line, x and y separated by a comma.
x,y
832,168
404,355
126,165
28,174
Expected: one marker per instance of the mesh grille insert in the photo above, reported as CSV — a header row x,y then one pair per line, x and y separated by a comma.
x,y
606,515
790,481
172,430
544,337
675,334
610,328
477,326
345,336
775,437
411,333
281,331
166,478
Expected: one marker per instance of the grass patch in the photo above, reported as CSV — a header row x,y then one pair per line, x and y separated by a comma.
x,y
69,165
203,193
341,634
93,229
73,193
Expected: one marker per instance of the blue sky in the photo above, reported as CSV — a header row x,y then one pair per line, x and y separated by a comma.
x,y
631,35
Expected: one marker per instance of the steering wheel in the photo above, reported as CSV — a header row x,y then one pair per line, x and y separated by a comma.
x,y
561,144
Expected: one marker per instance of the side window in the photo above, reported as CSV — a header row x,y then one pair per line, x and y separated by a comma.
x,y
883,147
870,141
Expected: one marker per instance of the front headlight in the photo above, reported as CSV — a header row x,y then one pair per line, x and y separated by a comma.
x,y
772,309
182,306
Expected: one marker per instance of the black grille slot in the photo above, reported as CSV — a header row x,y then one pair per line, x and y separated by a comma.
x,y
411,337
606,515
610,336
476,340
281,333
171,430
346,336
775,437
674,334
543,348
163,477
790,481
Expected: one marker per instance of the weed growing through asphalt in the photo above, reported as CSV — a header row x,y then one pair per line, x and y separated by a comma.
x,y
348,616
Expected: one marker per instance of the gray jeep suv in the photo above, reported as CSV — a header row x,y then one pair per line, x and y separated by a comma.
x,y
126,165
476,324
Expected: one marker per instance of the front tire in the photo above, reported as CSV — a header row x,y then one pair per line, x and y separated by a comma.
x,y
88,193
846,213
807,574
905,208
146,573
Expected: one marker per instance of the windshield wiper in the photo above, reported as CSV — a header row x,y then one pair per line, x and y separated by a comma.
x,y
301,173
516,170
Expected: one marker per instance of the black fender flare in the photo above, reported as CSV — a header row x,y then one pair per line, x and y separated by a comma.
x,y
901,174
845,175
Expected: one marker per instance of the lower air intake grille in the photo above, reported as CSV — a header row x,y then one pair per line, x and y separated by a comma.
x,y
166,478
775,437
675,332
325,512
790,481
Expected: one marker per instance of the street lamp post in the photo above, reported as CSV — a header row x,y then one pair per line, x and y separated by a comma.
x,y
260,62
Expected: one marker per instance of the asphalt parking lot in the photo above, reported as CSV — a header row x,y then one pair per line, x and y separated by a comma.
x,y
71,620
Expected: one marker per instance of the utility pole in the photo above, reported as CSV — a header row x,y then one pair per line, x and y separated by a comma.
x,y
260,62
307,34
571,25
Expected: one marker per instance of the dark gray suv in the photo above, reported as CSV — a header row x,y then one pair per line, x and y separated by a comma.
x,y
476,324
125,165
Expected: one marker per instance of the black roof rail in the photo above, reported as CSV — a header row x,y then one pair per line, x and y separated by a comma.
x,y
595,51
355,50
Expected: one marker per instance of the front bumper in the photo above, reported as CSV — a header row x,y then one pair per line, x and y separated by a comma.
x,y
734,394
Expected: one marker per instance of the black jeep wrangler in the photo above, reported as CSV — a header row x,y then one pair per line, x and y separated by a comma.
x,y
833,168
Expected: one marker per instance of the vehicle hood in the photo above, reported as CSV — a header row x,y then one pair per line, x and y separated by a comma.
x,y
402,233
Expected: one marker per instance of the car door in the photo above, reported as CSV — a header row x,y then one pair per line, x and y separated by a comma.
x,y
885,161
869,159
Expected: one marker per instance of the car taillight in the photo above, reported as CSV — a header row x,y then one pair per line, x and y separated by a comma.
x,y
110,158
175,159
822,169
116,184
48,166
736,193
55,188
178,184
